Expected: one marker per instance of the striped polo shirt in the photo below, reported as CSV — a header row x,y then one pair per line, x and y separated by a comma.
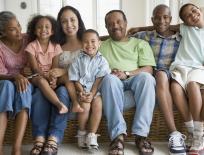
x,y
164,48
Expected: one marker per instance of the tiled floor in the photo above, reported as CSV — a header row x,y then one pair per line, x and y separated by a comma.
x,y
71,149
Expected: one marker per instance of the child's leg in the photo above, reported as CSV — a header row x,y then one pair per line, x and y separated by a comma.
x,y
95,118
202,110
176,139
180,99
82,120
195,104
84,116
49,93
197,145
3,122
165,99
72,93
96,113
195,100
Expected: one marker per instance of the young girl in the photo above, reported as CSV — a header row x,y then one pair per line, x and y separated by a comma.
x,y
187,70
41,50
86,72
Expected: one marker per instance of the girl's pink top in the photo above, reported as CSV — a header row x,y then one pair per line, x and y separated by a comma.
x,y
44,59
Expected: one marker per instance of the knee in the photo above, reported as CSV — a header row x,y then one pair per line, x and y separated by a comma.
x,y
162,84
110,80
96,108
192,85
145,78
86,107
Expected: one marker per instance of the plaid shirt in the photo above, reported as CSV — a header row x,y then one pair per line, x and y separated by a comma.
x,y
164,49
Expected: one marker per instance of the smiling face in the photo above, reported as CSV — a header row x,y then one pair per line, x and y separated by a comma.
x,y
192,16
43,29
90,43
12,30
69,22
161,20
116,26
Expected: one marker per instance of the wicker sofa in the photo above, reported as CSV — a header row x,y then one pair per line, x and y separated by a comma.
x,y
159,131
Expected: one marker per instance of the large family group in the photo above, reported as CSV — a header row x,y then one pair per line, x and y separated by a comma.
x,y
58,67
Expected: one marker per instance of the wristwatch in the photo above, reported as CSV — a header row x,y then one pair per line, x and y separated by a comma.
x,y
127,74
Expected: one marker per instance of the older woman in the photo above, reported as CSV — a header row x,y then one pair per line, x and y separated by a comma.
x,y
15,89
48,124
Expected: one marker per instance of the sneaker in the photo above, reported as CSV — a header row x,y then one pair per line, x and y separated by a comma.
x,y
91,142
177,144
189,141
81,138
197,147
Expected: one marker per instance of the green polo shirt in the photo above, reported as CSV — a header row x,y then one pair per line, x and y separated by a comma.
x,y
129,55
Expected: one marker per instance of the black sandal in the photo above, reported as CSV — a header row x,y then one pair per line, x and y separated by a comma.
x,y
143,145
116,147
50,148
37,148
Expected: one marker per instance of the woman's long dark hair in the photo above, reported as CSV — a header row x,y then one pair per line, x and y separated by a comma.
x,y
60,34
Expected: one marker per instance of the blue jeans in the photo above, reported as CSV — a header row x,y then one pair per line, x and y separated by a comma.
x,y
12,101
46,120
118,96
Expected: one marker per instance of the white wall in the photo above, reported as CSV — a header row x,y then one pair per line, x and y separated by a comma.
x,y
1,5
199,3
135,11
23,15
138,12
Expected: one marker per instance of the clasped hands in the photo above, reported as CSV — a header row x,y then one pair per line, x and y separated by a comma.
x,y
85,97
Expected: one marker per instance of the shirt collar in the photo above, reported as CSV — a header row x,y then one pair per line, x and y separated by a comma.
x,y
49,48
174,36
82,53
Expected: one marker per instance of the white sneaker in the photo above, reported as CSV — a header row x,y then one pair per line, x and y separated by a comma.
x,y
81,137
91,142
197,146
177,144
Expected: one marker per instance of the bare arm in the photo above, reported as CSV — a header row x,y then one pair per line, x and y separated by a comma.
x,y
121,74
78,87
95,86
34,65
147,69
55,62
7,77
56,71
175,28
134,30
104,37
20,81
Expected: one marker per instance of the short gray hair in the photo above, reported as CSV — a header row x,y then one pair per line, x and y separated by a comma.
x,y
5,17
